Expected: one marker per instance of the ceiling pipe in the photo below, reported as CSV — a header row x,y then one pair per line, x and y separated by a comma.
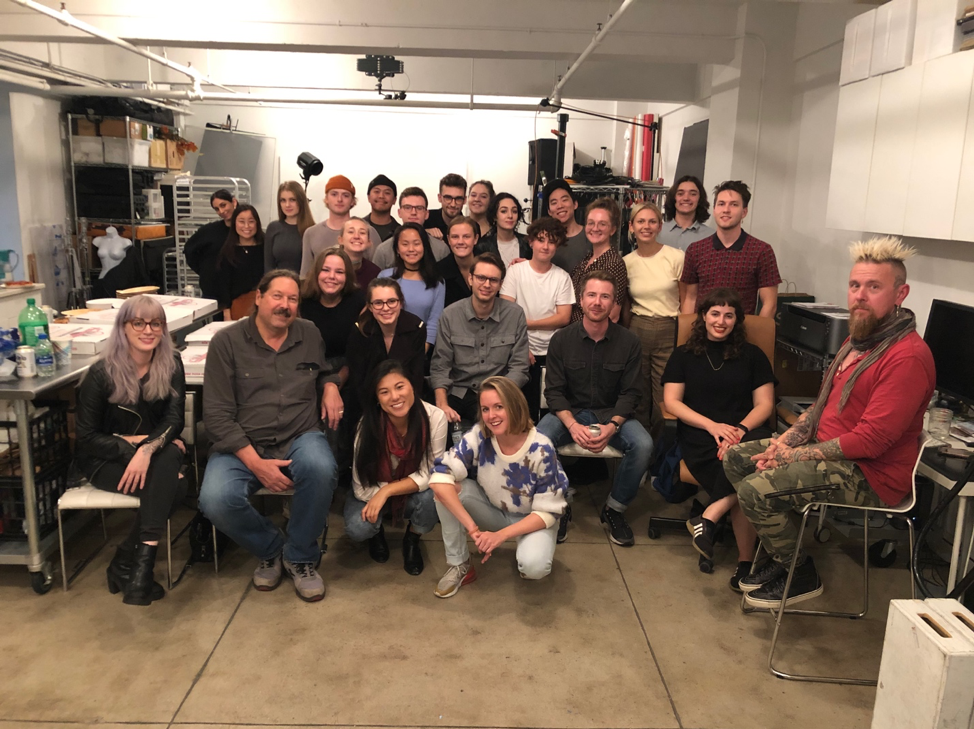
x,y
28,81
555,96
66,18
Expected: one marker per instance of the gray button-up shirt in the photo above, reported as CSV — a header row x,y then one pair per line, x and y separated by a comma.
x,y
469,349
600,376
255,396
671,234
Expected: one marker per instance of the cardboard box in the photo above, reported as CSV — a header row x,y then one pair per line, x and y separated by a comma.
x,y
85,338
116,128
174,157
87,150
194,361
176,317
157,154
142,232
134,152
84,128
199,307
204,335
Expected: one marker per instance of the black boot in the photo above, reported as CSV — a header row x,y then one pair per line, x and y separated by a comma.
x,y
412,557
378,547
139,589
120,571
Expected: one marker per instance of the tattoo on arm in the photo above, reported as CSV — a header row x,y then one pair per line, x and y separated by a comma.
x,y
828,451
799,433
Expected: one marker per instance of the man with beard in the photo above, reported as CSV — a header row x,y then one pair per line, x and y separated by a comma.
x,y
592,389
859,439
261,409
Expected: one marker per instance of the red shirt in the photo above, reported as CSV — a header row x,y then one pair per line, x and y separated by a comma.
x,y
881,422
366,272
746,266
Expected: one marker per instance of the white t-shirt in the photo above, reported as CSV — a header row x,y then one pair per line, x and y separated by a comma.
x,y
509,251
539,294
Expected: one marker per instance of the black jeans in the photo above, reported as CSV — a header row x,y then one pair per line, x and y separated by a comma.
x,y
162,491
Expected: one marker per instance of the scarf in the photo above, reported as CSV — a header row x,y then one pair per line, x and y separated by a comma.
x,y
891,330
408,462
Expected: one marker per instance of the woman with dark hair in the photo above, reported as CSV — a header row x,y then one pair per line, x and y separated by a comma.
x,y
502,481
127,422
685,211
602,218
721,388
203,247
462,237
504,215
240,265
415,270
282,241
398,439
385,331
479,197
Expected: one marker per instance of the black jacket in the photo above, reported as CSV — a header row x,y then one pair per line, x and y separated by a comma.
x,y
202,250
100,424
488,244
366,350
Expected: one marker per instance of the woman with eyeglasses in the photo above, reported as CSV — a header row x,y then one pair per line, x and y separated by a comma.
x,y
282,240
480,196
601,223
129,415
423,290
240,264
455,269
385,331
504,215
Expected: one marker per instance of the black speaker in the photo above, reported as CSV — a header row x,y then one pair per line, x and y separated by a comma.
x,y
541,160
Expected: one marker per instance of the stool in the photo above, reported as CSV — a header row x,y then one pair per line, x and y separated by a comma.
x,y
86,497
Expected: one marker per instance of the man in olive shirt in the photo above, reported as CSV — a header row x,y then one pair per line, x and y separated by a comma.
x,y
592,383
261,409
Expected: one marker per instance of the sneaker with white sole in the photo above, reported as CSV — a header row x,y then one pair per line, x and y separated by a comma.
x,y
307,582
454,578
268,574
702,530
805,585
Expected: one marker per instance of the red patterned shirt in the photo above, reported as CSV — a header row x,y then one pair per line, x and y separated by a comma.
x,y
746,266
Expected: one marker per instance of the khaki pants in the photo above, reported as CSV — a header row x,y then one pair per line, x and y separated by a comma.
x,y
657,335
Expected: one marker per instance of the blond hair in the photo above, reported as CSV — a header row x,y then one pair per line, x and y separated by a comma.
x,y
511,397
884,249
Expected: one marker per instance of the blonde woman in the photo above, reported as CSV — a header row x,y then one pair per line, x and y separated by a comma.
x,y
282,239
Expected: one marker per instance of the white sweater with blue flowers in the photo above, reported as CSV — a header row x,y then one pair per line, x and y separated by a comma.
x,y
529,481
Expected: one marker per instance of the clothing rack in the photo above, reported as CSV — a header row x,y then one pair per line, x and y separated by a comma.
x,y
625,197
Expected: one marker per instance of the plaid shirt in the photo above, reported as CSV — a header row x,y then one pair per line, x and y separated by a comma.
x,y
746,266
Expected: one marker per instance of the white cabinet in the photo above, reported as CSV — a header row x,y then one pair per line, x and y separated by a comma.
x,y
858,48
936,28
964,212
941,128
896,133
855,128
893,36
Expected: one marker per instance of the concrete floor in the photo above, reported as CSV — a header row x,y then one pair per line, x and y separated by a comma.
x,y
612,638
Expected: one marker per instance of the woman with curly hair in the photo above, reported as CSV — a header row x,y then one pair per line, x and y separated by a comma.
x,y
721,388
519,491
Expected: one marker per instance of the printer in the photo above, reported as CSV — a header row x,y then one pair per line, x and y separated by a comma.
x,y
818,329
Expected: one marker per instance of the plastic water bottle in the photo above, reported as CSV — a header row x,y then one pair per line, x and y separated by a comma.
x,y
44,356
32,321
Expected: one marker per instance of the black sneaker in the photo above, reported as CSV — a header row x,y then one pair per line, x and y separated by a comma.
x,y
743,569
619,531
702,531
805,585
563,524
768,571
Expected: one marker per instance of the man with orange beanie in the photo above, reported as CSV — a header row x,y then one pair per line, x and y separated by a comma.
x,y
339,199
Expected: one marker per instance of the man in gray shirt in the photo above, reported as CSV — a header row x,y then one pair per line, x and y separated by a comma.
x,y
684,214
261,409
478,337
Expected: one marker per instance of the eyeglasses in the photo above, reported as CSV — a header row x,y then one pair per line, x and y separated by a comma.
x,y
599,226
139,324
453,198
414,208
486,279
388,304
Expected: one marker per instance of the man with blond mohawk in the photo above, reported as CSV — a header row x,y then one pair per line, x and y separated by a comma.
x,y
857,443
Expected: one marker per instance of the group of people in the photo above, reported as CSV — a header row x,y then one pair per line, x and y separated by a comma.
x,y
445,384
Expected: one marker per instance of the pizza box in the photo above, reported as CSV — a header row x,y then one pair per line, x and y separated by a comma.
x,y
194,361
199,307
204,334
176,317
86,339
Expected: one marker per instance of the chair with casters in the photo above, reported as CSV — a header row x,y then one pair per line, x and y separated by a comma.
x,y
86,497
901,511
761,333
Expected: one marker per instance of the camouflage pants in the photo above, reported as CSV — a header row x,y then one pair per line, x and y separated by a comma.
x,y
774,518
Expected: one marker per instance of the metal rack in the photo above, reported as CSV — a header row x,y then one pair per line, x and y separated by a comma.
x,y
625,196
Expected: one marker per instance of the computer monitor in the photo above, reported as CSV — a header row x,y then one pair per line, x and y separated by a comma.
x,y
950,336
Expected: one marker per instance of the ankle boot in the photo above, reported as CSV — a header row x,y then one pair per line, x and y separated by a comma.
x,y
412,557
120,571
138,591
378,547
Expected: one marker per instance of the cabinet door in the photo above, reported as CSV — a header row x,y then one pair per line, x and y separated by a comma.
x,y
896,128
858,48
855,128
941,126
964,214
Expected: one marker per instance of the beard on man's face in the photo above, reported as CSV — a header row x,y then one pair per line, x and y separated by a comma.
x,y
860,327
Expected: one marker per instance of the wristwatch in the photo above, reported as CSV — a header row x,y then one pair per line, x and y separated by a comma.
x,y
618,425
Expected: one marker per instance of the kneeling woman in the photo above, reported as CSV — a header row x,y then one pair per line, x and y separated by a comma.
x,y
721,387
399,438
519,491
129,414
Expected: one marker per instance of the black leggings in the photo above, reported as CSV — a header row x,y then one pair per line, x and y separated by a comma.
x,y
162,491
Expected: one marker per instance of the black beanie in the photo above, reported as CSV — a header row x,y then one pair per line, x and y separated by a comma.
x,y
382,180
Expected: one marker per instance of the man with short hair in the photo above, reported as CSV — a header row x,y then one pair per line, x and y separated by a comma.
x,y
558,201
262,412
339,199
685,213
413,208
452,196
732,258
382,194
203,247
592,389
478,337
857,444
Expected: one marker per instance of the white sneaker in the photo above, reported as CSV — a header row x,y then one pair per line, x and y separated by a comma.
x,y
454,578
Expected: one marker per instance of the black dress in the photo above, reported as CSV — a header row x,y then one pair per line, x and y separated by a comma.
x,y
725,395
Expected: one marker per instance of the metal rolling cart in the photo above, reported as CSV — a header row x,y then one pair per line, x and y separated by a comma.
x,y
625,196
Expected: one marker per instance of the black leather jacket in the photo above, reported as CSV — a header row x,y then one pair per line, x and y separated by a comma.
x,y
100,424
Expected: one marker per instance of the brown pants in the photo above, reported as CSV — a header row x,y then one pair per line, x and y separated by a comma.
x,y
657,335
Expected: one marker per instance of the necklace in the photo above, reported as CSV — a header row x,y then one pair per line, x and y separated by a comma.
x,y
715,369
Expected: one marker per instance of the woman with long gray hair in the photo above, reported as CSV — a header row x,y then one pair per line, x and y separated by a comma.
x,y
129,414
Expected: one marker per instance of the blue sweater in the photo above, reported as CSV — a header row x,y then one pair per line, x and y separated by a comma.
x,y
425,303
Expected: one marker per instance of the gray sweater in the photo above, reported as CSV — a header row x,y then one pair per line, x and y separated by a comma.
x,y
282,247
